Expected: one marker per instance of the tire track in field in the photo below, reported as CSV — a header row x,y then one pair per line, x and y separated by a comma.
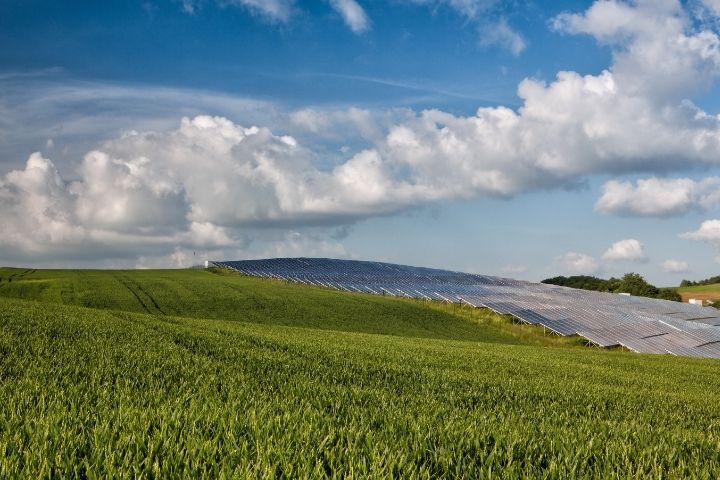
x,y
137,297
18,276
138,290
152,299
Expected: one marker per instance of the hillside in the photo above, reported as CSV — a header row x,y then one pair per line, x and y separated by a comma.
x,y
701,292
220,294
229,375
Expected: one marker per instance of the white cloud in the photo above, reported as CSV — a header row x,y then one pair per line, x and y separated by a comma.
x,y
500,33
708,8
655,51
631,117
197,185
675,266
329,123
659,197
629,249
77,115
206,181
708,232
36,208
141,211
578,263
353,14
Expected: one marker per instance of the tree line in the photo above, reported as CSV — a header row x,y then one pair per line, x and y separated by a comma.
x,y
707,281
632,283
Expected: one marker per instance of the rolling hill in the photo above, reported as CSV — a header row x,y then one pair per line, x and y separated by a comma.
x,y
195,373
701,292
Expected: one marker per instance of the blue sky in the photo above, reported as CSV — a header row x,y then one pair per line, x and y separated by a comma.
x,y
427,132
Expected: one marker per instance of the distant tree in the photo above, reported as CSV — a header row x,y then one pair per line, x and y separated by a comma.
x,y
632,283
613,285
707,281
635,284
584,282
669,294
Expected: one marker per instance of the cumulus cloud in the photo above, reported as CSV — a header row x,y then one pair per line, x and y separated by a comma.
x,y
205,181
578,263
629,249
195,186
77,115
658,53
36,208
707,9
708,232
330,123
675,266
657,197
134,208
353,14
631,117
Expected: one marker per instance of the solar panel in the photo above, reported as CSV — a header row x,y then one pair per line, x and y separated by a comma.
x,y
604,319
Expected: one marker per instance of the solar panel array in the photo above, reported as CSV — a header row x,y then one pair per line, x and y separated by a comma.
x,y
604,319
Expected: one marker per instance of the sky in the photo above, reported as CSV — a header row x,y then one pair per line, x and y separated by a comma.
x,y
519,138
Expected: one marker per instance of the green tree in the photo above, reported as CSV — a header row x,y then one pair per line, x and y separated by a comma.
x,y
669,294
613,285
635,284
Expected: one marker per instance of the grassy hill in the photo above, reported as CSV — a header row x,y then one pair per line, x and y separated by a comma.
x,y
192,373
701,292
226,295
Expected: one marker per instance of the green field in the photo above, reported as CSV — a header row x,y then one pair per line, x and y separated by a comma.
x,y
177,374
712,288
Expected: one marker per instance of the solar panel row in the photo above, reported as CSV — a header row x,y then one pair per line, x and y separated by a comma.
x,y
605,319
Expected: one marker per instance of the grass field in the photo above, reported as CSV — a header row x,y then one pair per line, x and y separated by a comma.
x,y
701,292
176,374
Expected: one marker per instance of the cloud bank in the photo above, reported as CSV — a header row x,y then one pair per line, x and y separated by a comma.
x,y
210,181
657,197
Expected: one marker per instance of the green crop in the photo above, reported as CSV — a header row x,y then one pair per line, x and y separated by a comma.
x,y
177,374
